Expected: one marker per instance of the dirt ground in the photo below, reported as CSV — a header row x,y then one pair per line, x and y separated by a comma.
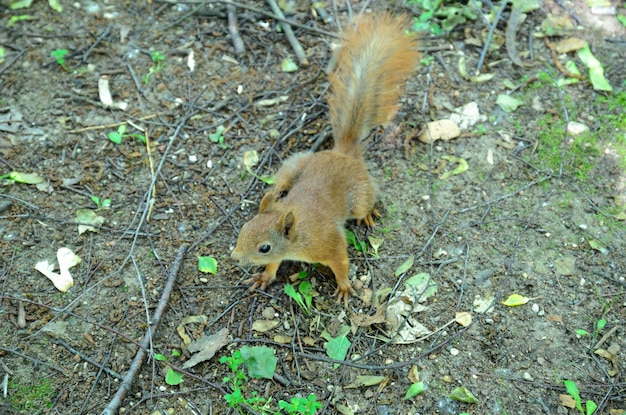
x,y
539,212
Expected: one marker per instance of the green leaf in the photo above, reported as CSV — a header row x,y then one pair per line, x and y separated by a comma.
x,y
20,4
160,357
260,361
422,283
305,289
26,178
596,71
581,332
173,377
296,296
622,19
207,264
217,136
288,65
405,266
591,407
15,19
115,137
337,348
462,394
508,103
55,5
414,390
572,389
600,325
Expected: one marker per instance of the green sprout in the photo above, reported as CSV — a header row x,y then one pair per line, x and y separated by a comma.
x,y
59,55
172,376
572,390
117,136
104,203
158,57
303,297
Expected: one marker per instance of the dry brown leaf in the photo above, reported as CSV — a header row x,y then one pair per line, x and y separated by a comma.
x,y
571,44
464,318
206,346
567,401
440,130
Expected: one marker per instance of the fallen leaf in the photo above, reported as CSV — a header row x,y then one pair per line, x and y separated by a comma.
x,y
439,130
405,266
462,394
508,103
567,401
264,325
206,346
596,71
515,300
87,220
461,168
571,44
598,246
483,304
364,380
180,329
464,318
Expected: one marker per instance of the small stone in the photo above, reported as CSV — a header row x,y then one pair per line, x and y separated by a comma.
x,y
527,376
541,361
576,128
268,313
454,351
535,308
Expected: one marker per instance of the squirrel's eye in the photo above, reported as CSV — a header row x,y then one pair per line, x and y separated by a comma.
x,y
265,248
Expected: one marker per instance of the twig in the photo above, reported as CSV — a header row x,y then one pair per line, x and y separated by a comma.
x,y
264,13
297,47
12,61
88,359
100,38
113,406
233,29
117,124
35,361
492,27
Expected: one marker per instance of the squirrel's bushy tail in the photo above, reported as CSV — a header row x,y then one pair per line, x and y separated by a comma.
x,y
374,60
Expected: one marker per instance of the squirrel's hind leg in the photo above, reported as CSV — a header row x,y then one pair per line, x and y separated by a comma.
x,y
363,205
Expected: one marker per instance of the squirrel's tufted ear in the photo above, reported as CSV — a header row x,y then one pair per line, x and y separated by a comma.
x,y
266,202
285,225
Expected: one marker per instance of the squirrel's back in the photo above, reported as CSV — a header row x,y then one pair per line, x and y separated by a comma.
x,y
375,58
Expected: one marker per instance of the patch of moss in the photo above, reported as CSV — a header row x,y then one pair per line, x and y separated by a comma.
x,y
576,155
31,397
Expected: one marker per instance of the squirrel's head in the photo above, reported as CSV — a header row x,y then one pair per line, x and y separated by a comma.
x,y
265,239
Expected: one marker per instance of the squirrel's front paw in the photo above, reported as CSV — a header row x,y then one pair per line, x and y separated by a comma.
x,y
344,291
260,280
369,219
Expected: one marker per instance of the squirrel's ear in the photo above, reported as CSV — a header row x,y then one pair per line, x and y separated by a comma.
x,y
267,200
285,225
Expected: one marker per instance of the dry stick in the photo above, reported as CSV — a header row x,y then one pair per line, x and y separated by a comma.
x,y
129,378
106,126
100,38
483,53
280,18
12,61
234,29
297,47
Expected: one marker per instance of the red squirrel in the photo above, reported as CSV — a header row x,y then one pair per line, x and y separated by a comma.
x,y
302,216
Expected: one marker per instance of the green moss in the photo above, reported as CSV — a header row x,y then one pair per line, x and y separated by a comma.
x,y
31,397
577,155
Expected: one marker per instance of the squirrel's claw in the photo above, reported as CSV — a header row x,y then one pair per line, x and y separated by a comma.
x,y
344,293
369,219
259,280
